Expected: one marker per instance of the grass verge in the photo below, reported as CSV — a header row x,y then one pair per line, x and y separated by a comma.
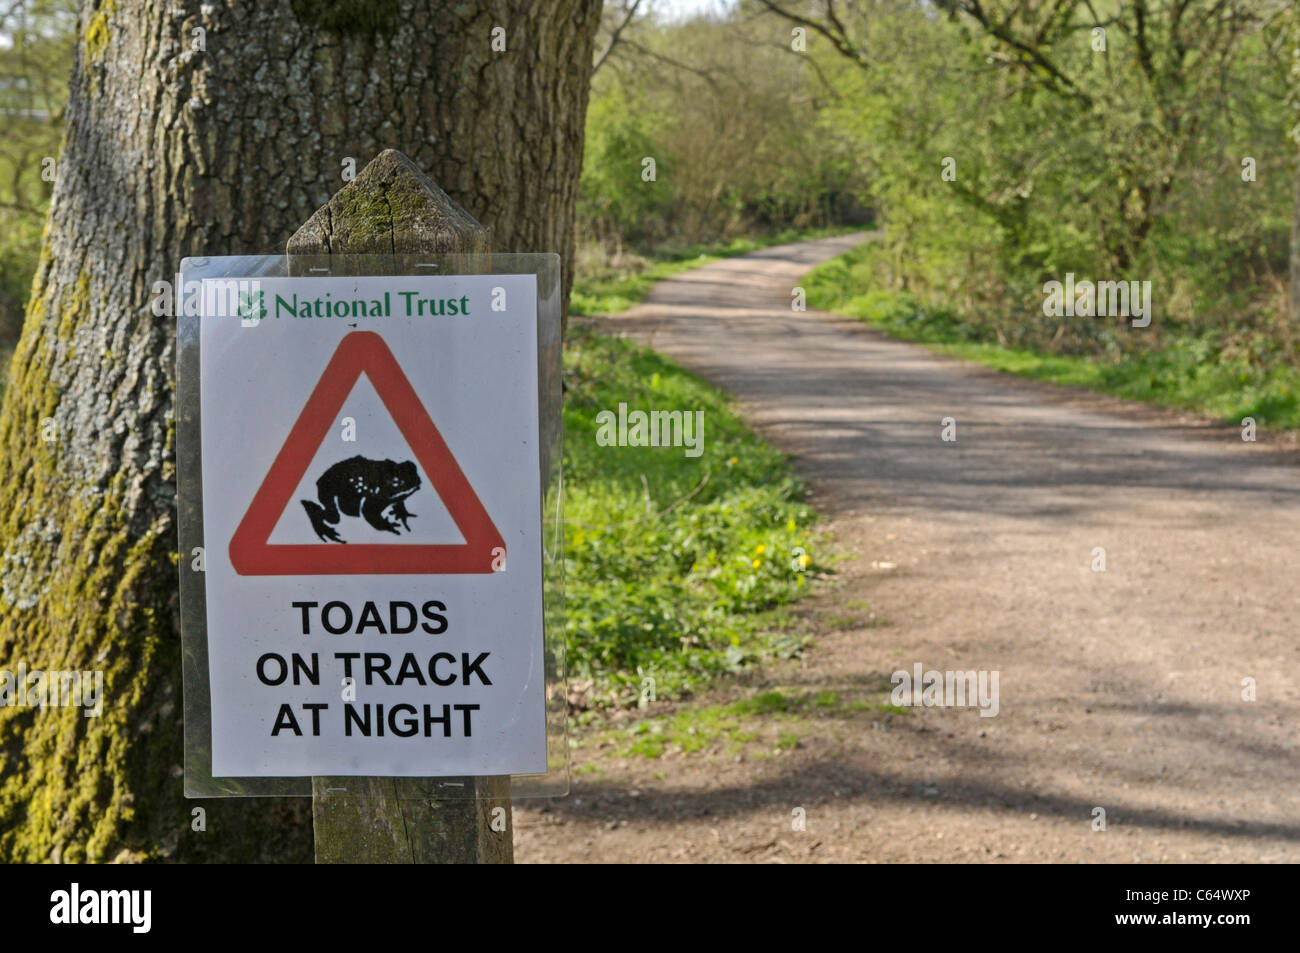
x,y
677,567
731,729
1205,373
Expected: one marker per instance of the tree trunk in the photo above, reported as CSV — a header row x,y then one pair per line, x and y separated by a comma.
x,y
172,152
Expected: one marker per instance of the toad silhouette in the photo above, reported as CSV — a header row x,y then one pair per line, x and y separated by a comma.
x,y
366,488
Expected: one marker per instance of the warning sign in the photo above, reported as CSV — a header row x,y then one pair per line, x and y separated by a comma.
x,y
371,517
362,487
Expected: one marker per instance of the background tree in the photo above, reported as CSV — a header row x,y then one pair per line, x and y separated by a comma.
x,y
215,128
730,119
1290,31
1105,139
34,64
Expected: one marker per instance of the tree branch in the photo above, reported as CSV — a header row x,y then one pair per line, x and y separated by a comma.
x,y
613,38
838,36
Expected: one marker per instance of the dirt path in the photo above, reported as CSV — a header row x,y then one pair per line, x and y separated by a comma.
x,y
1119,689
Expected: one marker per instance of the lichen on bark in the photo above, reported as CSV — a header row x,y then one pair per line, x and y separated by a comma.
x,y
97,33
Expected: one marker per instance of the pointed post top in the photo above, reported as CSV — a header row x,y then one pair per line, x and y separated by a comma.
x,y
391,207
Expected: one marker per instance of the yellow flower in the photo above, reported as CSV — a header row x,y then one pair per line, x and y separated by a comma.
x,y
804,561
757,563
733,461
761,550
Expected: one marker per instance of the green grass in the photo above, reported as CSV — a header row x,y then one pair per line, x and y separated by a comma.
x,y
677,567
603,287
731,727
1209,373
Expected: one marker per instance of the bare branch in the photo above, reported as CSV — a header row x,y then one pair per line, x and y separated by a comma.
x,y
835,32
1032,56
614,37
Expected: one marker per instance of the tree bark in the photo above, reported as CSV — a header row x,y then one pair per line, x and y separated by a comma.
x,y
173,152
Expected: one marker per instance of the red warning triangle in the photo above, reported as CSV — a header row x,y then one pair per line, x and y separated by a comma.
x,y
364,351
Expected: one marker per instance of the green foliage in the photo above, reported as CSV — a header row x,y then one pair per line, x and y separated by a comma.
x,y
1229,372
34,67
729,119
614,200
1007,151
674,563
1118,164
20,244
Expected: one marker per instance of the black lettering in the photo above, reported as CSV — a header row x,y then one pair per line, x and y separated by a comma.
x,y
315,708
393,626
467,666
370,616
439,621
325,617
430,721
403,729
467,709
433,669
300,667
347,658
350,717
306,616
377,664
285,720
261,669
410,669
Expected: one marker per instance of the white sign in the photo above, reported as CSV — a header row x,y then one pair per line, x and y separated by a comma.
x,y
372,526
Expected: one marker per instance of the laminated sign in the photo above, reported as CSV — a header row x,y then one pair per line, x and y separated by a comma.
x,y
372,527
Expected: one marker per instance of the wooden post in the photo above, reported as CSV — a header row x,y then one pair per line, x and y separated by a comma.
x,y
392,208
